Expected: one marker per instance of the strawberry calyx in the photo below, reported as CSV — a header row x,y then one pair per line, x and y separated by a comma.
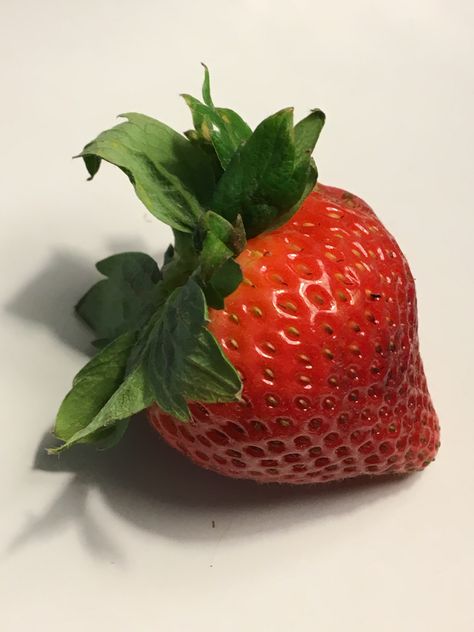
x,y
215,186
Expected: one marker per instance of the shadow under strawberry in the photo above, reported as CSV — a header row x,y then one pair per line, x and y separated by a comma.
x,y
153,487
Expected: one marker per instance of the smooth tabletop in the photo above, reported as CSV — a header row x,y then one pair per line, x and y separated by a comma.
x,y
137,539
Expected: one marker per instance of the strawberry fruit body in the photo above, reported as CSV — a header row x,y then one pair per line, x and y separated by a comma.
x,y
278,340
323,331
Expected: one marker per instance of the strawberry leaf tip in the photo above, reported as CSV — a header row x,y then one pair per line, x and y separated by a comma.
x,y
215,186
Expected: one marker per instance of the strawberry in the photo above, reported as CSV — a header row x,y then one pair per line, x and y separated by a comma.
x,y
324,333
278,341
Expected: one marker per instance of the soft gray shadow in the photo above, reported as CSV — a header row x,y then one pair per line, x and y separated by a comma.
x,y
150,485
145,482
50,296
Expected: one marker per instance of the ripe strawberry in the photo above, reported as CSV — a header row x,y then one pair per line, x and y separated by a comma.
x,y
323,331
278,341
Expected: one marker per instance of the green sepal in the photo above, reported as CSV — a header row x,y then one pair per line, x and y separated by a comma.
x,y
125,299
172,176
184,362
102,394
222,128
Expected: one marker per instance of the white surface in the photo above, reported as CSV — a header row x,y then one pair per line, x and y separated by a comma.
x,y
124,541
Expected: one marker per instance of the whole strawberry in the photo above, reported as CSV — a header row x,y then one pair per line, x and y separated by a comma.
x,y
306,367
323,331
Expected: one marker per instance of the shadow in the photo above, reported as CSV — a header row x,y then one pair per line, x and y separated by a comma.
x,y
49,299
149,484
144,481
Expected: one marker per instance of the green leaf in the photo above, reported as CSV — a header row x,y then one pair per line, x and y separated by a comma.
x,y
184,362
206,88
171,175
307,132
271,174
123,300
102,394
258,181
221,127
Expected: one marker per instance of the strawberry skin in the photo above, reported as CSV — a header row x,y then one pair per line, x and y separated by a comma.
x,y
323,331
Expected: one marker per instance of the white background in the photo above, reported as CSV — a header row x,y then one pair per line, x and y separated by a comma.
x,y
123,541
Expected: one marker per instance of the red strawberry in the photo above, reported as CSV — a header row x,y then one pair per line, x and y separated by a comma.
x,y
278,341
323,331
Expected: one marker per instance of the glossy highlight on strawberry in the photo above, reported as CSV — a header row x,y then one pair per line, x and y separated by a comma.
x,y
323,332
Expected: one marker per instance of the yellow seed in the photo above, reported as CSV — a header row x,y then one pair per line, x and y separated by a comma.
x,y
256,311
233,343
356,252
269,374
341,296
330,256
270,346
248,282
295,247
308,224
279,279
335,215
293,331
328,353
234,318
304,379
291,307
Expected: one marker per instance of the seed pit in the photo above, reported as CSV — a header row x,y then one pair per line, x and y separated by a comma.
x,y
306,360
200,455
203,441
233,344
276,446
292,458
315,425
302,403
268,462
302,442
367,447
268,373
329,403
254,450
235,430
238,463
258,426
271,401
332,439
322,461
218,437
